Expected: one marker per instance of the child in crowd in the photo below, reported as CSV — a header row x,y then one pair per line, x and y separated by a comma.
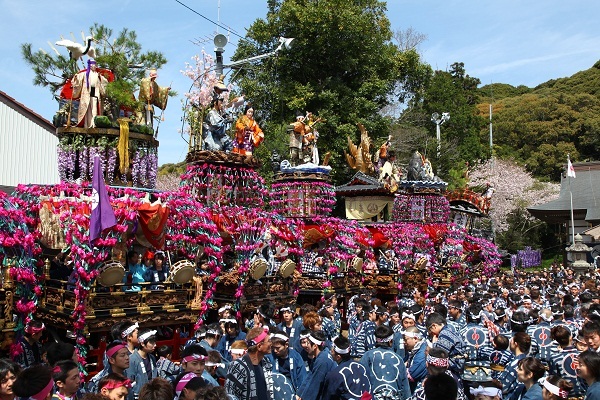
x,y
67,379
114,386
166,368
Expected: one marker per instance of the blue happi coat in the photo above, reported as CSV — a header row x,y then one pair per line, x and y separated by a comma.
x,y
312,387
386,373
346,381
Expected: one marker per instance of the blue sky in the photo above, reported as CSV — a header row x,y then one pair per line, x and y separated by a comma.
x,y
509,41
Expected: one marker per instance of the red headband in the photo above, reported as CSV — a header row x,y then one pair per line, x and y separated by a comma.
x,y
33,330
113,350
110,385
41,395
437,361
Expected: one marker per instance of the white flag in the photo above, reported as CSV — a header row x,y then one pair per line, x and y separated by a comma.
x,y
570,169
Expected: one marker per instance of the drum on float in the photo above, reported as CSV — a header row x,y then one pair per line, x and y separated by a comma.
x,y
182,272
287,267
258,268
110,273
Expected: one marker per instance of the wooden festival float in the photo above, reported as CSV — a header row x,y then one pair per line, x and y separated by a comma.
x,y
335,249
408,220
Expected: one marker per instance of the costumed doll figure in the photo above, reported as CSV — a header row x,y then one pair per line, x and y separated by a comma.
x,y
90,87
152,95
248,134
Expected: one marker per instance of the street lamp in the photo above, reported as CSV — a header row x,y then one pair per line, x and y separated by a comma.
x,y
437,120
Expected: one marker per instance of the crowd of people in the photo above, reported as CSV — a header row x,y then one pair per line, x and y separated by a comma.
x,y
520,337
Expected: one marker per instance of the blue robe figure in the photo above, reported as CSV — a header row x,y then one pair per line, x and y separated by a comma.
x,y
293,332
312,388
282,388
348,380
416,367
292,367
214,132
225,344
386,373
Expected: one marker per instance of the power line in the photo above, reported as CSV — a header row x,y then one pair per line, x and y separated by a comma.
x,y
213,22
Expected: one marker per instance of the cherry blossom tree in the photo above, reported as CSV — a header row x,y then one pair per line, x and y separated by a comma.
x,y
515,188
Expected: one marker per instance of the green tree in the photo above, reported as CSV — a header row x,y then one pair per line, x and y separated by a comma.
x,y
342,66
455,92
121,54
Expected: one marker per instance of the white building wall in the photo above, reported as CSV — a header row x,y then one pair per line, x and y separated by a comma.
x,y
27,150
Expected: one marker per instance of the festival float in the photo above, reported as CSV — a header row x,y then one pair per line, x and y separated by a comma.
x,y
408,215
228,238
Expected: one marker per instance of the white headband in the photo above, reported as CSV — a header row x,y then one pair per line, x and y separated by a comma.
x,y
305,336
341,351
224,308
315,340
280,336
385,339
239,352
546,318
226,320
143,337
213,332
555,390
213,364
284,309
408,315
486,391
416,335
129,330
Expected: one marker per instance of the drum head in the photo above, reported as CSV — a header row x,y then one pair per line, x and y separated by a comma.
x,y
182,272
287,268
258,268
111,273
357,264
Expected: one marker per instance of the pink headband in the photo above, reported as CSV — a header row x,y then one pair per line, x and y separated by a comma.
x,y
183,382
33,330
259,338
193,357
110,385
41,395
438,362
113,350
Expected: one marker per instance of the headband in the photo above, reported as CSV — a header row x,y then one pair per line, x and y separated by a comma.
x,y
145,336
33,330
416,335
213,332
527,321
546,318
305,336
214,364
226,320
526,301
129,330
193,357
502,314
286,309
385,339
113,350
183,382
56,369
408,315
224,308
280,336
261,313
340,350
475,316
437,362
486,391
563,394
110,385
239,352
315,340
42,394
259,338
